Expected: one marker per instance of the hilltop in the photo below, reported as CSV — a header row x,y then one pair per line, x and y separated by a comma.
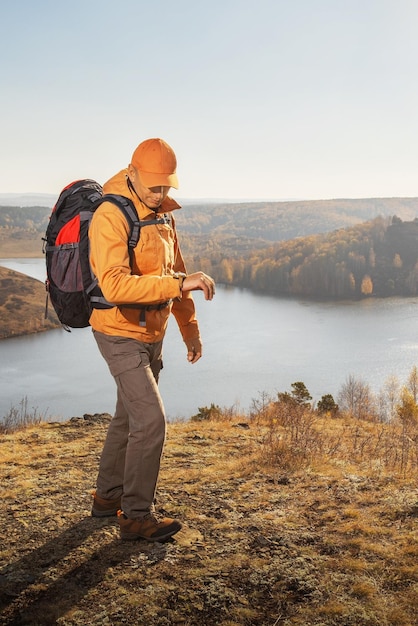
x,y
22,305
289,519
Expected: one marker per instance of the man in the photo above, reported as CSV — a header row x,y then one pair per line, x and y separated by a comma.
x,y
130,338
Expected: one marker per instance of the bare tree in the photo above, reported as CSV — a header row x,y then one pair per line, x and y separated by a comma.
x,y
355,397
413,383
389,399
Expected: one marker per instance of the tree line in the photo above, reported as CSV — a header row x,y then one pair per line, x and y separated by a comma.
x,y
377,258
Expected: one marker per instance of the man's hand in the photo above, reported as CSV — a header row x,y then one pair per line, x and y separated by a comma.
x,y
194,282
194,350
200,281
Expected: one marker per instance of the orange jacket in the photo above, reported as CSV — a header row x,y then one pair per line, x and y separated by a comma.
x,y
156,258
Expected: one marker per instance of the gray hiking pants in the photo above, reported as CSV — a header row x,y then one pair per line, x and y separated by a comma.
x,y
131,456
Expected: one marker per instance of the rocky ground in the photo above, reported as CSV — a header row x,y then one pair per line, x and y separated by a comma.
x,y
263,543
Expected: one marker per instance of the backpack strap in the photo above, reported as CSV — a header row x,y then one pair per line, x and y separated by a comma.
x,y
128,209
135,224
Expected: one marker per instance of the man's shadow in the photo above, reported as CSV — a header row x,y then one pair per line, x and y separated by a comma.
x,y
32,590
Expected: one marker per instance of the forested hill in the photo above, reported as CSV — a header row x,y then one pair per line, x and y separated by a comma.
x,y
279,221
377,258
266,221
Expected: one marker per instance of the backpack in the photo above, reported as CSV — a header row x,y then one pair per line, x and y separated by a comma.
x,y
71,285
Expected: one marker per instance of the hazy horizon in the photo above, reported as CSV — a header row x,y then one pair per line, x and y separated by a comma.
x,y
28,198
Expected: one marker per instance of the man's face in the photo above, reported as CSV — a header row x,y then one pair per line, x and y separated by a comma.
x,y
152,197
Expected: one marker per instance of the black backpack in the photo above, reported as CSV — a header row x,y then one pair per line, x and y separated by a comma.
x,y
71,285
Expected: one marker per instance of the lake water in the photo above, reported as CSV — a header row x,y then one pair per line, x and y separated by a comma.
x,y
252,344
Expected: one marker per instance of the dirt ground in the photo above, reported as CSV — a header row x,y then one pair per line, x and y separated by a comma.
x,y
325,545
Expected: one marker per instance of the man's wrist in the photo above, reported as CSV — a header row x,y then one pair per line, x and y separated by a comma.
x,y
180,276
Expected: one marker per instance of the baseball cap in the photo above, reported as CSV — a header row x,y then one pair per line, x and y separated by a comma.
x,y
156,163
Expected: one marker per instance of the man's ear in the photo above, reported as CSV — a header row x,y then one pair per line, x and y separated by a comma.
x,y
131,171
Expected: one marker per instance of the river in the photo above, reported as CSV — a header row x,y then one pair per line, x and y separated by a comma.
x,y
252,345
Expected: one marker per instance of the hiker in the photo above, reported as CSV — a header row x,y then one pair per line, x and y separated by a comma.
x,y
130,335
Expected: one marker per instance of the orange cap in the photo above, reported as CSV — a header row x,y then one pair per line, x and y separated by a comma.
x,y
156,163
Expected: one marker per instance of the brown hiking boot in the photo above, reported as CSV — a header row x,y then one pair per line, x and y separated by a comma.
x,y
148,527
103,507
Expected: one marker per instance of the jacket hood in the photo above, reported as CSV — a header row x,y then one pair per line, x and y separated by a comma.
x,y
118,185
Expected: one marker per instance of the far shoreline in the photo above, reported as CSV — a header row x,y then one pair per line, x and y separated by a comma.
x,y
21,248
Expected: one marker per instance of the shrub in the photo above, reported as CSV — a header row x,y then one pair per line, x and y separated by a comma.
x,y
19,417
213,412
327,404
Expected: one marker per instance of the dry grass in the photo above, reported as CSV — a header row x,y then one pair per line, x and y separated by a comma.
x,y
303,522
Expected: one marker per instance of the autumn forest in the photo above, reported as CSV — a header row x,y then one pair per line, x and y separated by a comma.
x,y
377,258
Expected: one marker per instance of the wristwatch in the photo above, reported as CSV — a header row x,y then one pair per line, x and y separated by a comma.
x,y
180,276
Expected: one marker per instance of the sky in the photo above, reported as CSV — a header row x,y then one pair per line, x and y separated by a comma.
x,y
260,99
